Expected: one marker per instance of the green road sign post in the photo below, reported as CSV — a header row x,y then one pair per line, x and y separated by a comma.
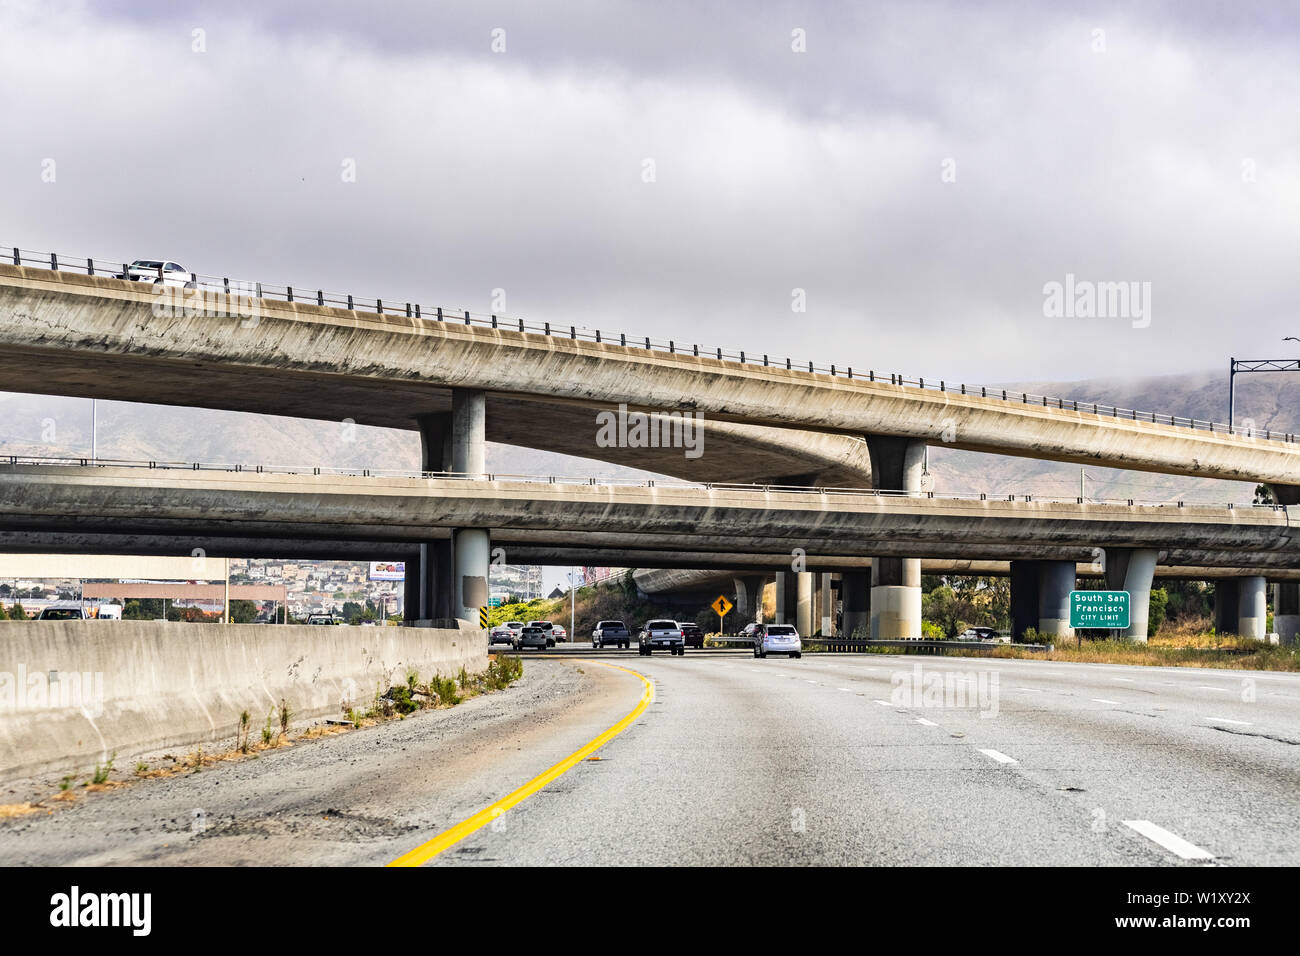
x,y
1100,609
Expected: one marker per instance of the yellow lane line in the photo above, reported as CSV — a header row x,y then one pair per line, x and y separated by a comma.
x,y
450,837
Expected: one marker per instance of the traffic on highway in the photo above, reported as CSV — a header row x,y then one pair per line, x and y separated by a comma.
x,y
688,441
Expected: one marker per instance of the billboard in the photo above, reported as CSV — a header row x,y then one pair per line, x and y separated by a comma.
x,y
388,570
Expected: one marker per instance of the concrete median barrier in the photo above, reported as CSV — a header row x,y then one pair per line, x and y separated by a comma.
x,y
74,692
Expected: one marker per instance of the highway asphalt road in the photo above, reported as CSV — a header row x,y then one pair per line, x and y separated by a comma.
x,y
735,761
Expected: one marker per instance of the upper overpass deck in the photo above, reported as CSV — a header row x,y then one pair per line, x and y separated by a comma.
x,y
69,333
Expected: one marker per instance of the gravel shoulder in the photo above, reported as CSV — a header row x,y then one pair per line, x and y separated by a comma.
x,y
357,798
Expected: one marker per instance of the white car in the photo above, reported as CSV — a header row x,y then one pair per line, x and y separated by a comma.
x,y
64,611
553,631
158,271
777,639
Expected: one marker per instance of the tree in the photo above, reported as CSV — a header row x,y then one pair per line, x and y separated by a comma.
x,y
1156,610
243,612
16,613
958,602
142,609
4,615
351,612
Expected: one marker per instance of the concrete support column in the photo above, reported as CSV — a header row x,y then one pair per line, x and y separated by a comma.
x,y
787,597
470,559
471,549
429,578
825,604
896,465
468,422
1286,599
1055,582
804,603
1252,607
1227,605
1024,597
435,581
1286,611
411,591
856,593
435,441
453,575
1131,570
749,598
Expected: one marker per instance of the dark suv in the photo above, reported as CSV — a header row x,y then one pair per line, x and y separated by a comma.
x,y
693,635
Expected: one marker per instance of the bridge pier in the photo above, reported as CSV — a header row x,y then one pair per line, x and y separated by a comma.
x,y
895,611
1286,597
1241,606
855,593
749,597
1132,570
804,602
1040,597
1227,600
787,598
1252,607
1286,611
825,603
453,575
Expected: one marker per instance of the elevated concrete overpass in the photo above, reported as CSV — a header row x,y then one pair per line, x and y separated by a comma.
x,y
665,517
52,504
69,334
87,335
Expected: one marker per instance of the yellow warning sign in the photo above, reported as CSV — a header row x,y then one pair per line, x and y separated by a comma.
x,y
482,617
721,606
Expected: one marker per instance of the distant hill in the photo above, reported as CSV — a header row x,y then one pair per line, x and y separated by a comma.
x,y
1271,401
44,425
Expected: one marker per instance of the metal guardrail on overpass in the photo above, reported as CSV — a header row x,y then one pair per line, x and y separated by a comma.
x,y
224,285
812,490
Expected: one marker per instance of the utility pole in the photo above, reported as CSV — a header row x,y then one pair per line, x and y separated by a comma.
x,y
573,604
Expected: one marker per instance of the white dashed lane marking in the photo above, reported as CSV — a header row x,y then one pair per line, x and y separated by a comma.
x,y
1170,841
927,723
1227,720
998,755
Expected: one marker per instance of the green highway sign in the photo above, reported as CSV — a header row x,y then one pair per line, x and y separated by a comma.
x,y
1099,609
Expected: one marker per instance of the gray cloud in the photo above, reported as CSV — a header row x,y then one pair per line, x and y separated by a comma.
x,y
774,170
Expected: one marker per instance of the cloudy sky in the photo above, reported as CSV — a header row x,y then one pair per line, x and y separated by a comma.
x,y
920,170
